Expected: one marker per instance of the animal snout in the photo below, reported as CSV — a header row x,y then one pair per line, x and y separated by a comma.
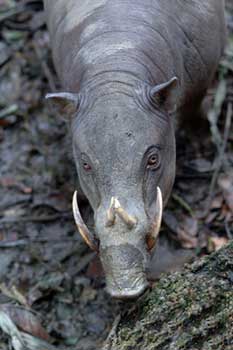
x,y
125,271
128,294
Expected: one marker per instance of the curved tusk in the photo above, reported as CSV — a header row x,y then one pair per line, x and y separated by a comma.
x,y
128,219
111,216
156,224
82,228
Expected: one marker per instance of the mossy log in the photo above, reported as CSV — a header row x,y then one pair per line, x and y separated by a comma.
x,y
191,309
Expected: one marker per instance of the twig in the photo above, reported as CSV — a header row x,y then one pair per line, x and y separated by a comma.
x,y
220,158
5,207
8,111
11,13
47,72
46,218
27,242
13,244
21,340
183,204
215,112
84,261
228,231
202,176
108,342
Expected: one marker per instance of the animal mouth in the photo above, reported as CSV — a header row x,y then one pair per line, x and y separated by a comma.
x,y
128,293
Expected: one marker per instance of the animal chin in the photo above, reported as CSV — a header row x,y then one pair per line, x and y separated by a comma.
x,y
125,294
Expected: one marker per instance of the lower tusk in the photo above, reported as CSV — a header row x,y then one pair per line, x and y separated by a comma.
x,y
156,224
111,213
128,219
82,228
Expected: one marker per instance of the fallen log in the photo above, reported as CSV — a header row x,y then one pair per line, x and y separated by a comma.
x,y
191,309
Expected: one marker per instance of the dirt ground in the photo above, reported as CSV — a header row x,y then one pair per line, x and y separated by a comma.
x,y
51,284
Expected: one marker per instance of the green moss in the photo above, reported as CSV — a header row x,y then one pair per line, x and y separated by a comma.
x,y
192,309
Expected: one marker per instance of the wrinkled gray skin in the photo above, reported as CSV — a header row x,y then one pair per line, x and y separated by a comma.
x,y
111,54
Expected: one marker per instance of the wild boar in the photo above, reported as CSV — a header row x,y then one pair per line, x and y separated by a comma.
x,y
129,69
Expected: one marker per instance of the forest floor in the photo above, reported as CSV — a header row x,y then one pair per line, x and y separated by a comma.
x,y
51,284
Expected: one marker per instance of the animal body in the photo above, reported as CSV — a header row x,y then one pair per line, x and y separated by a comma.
x,y
128,69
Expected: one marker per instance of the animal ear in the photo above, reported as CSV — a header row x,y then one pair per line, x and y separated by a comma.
x,y
165,95
66,103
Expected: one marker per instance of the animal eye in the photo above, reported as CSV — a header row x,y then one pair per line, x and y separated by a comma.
x,y
153,161
86,166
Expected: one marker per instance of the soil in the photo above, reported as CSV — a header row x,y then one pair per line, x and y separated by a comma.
x,y
45,265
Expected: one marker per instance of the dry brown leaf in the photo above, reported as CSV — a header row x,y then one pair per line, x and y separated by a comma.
x,y
216,243
225,183
10,182
14,294
211,217
26,321
216,202
185,230
186,240
190,225
95,268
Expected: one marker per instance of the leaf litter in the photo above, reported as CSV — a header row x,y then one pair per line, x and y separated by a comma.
x,y
51,286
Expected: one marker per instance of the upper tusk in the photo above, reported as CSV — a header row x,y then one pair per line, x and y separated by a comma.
x,y
128,219
85,233
111,216
156,224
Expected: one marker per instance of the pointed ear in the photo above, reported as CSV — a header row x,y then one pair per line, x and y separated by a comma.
x,y
165,95
66,103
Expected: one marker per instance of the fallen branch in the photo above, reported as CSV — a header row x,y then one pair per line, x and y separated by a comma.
x,y
188,310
